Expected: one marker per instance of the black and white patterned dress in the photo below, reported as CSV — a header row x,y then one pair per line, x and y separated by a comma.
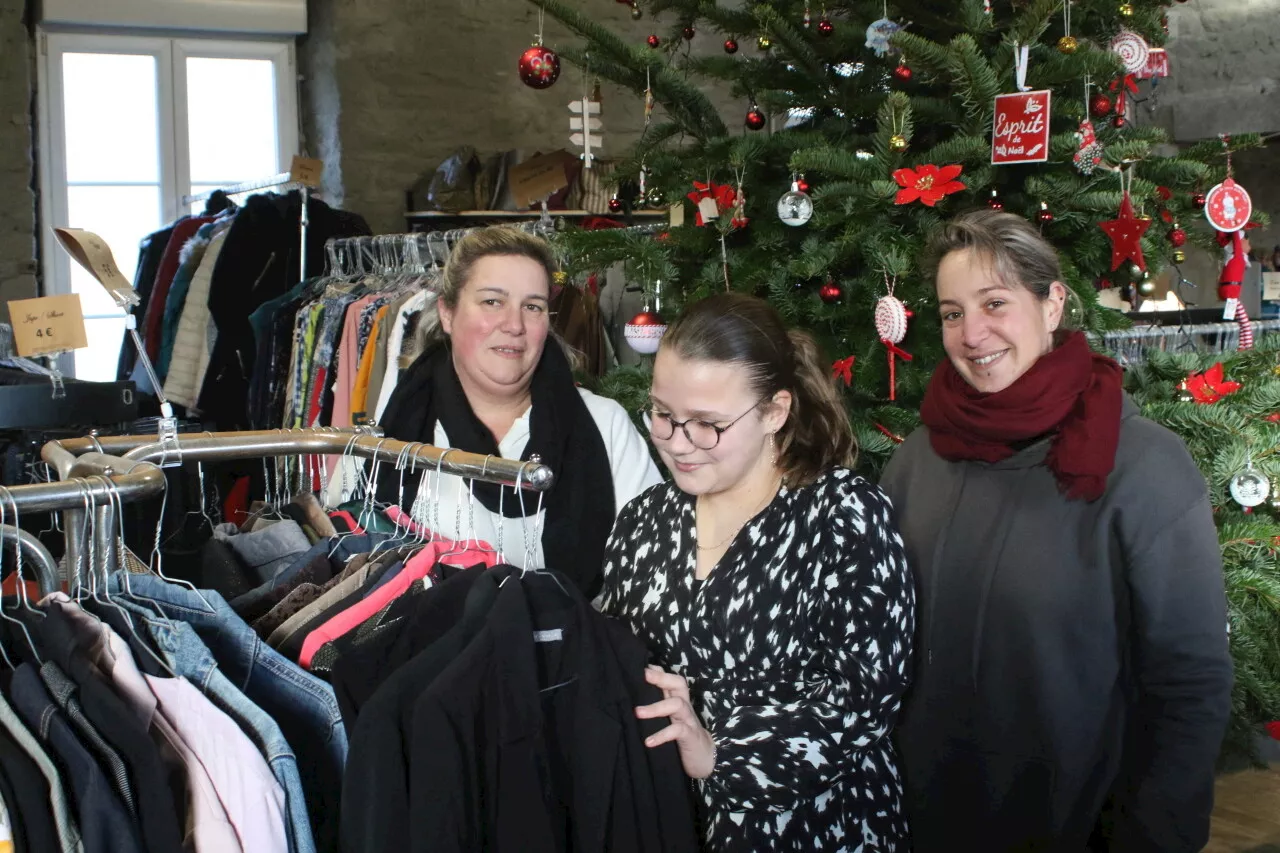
x,y
796,648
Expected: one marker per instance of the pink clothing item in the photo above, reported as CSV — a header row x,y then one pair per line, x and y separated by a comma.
x,y
253,799
463,554
406,521
348,362
208,829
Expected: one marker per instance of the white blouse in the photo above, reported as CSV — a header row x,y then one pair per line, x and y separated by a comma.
x,y
447,508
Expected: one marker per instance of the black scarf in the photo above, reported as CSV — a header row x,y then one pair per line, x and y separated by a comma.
x,y
580,505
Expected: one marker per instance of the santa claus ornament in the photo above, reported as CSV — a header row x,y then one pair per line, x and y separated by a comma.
x,y
891,325
1228,209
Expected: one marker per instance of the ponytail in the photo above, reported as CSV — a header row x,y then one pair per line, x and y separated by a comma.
x,y
739,329
817,435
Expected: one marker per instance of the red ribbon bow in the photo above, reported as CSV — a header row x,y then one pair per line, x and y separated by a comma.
x,y
1123,85
843,369
1210,387
894,349
725,197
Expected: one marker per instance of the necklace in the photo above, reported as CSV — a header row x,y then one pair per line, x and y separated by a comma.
x,y
773,493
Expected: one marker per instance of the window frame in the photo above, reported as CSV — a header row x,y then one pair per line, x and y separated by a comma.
x,y
171,52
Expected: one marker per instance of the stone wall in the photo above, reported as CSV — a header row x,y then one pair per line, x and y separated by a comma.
x,y
18,211
405,82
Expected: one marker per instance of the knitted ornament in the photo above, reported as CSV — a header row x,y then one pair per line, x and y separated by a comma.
x,y
891,325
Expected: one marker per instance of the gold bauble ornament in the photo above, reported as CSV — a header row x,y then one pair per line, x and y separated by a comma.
x,y
1068,45
897,143
1184,394
560,278
1179,256
764,42
1126,9
1147,287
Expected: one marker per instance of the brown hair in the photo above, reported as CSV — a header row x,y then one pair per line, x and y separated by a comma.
x,y
478,244
1016,251
737,329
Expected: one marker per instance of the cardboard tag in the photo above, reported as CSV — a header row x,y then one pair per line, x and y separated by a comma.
x,y
306,171
1271,286
537,178
1021,132
47,325
1229,309
93,253
708,208
676,215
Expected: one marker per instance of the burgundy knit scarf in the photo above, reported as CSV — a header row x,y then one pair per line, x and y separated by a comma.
x,y
1071,391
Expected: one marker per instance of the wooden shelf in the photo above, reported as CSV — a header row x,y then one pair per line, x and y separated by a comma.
x,y
425,220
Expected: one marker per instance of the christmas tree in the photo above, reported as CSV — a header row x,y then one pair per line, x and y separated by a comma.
x,y
1227,409
879,118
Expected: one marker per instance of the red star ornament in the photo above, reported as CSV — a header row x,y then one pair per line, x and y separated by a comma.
x,y
1126,232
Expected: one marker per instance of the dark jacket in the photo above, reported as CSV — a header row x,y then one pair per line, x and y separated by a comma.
x,y
258,262
519,745
1072,675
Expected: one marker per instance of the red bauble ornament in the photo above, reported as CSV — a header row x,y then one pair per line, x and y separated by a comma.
x,y
1119,122
802,185
902,72
730,46
1197,201
994,202
615,205
830,293
1045,215
539,67
825,27
653,41
755,119
1100,105
688,33
1178,237
645,332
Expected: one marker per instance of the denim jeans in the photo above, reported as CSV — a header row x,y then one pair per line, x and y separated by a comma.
x,y
303,707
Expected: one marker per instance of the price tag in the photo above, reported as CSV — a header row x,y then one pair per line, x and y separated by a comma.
x,y
1229,309
306,171
93,253
47,325
1271,286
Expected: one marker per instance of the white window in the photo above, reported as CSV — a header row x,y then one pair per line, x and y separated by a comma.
x,y
129,125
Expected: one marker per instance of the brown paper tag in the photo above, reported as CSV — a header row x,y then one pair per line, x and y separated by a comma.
x,y
306,171
47,325
93,253
677,215
537,178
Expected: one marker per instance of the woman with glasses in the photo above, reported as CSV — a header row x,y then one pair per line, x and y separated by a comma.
x,y
770,584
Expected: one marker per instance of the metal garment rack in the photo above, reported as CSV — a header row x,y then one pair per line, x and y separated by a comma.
x,y
425,248
284,182
1130,345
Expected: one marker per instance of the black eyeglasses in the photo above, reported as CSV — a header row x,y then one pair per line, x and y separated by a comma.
x,y
701,434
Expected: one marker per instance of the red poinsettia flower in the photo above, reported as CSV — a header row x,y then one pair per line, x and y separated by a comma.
x,y
928,184
1209,387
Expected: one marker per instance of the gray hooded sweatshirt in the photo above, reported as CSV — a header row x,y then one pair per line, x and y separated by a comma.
x,y
1072,677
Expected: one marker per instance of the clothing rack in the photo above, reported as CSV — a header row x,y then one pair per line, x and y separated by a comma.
x,y
1130,345
284,182
419,250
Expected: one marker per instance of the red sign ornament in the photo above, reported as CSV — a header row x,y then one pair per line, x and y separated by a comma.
x,y
1021,132
1157,65
1228,207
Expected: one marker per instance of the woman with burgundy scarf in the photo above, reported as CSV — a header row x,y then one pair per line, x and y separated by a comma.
x,y
1072,681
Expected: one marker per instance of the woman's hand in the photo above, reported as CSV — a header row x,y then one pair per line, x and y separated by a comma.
x,y
697,749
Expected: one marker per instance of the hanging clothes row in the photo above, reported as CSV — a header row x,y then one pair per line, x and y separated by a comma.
x,y
493,705
201,278
1130,346
331,350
